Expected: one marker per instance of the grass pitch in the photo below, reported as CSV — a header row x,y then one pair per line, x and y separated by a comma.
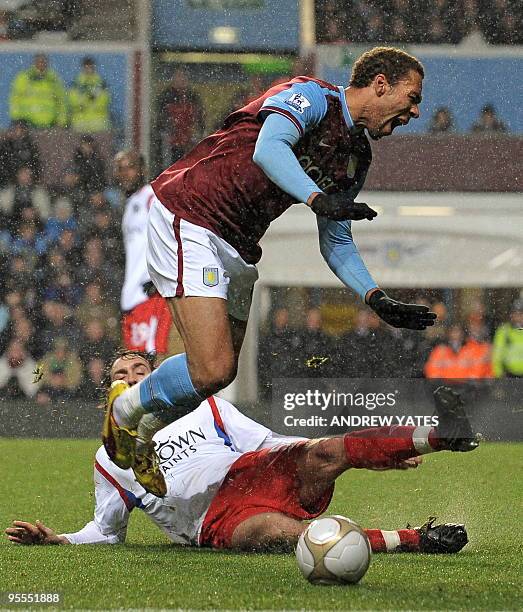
x,y
51,480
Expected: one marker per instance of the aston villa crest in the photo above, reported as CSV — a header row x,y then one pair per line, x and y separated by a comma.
x,y
210,277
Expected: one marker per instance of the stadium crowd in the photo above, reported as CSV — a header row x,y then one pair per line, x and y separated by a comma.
x,y
498,22
62,262
475,347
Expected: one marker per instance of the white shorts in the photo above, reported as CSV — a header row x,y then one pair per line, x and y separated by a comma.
x,y
187,259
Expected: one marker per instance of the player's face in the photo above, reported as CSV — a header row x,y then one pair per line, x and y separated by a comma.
x,y
395,104
127,173
130,368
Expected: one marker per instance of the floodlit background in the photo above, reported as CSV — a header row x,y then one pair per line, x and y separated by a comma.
x,y
161,75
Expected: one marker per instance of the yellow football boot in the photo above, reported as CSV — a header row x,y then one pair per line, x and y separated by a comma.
x,y
146,468
119,442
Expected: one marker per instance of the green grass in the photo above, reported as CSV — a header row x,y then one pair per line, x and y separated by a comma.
x,y
50,480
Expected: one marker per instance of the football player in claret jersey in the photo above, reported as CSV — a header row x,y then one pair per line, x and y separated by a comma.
x,y
146,319
300,142
233,483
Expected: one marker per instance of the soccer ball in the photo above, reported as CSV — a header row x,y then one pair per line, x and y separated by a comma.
x,y
333,550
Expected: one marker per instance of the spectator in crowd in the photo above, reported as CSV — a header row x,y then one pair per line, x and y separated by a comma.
x,y
95,342
277,352
507,354
440,21
61,220
477,321
18,149
314,346
89,100
16,371
69,188
29,242
460,357
70,248
104,226
94,203
89,165
62,371
24,274
180,118
38,96
415,348
58,322
94,265
369,350
92,387
501,21
489,122
61,286
24,331
95,306
442,121
23,193
437,334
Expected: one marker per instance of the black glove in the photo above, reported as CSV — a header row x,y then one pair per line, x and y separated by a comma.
x,y
341,207
397,314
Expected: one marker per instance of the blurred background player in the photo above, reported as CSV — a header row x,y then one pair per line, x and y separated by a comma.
x,y
215,204
146,319
233,483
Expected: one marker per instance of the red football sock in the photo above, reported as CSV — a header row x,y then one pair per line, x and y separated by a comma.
x,y
402,540
386,446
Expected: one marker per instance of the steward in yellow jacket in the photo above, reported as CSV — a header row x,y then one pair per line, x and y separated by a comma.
x,y
89,101
38,96
507,354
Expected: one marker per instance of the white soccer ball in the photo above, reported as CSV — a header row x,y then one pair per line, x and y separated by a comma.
x,y
333,550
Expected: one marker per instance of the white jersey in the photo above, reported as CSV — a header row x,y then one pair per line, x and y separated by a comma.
x,y
195,453
134,229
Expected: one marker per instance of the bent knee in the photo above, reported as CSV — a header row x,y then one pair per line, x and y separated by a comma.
x,y
214,374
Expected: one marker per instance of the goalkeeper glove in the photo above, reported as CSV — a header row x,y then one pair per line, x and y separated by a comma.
x,y
397,314
341,207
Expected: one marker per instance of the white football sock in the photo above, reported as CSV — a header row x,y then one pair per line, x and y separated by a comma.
x,y
127,408
149,424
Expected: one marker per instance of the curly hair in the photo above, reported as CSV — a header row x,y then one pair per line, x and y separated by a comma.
x,y
393,63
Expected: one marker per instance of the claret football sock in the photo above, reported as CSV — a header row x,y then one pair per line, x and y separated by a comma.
x,y
402,540
381,447
169,388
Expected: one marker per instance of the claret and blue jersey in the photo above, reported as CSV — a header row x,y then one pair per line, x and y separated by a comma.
x,y
296,139
332,151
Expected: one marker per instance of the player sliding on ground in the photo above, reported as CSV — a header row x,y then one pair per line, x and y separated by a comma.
x,y
233,483
301,141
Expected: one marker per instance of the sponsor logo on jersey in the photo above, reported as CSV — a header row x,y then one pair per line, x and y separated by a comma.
x,y
298,102
210,276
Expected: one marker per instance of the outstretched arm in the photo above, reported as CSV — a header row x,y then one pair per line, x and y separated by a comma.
x,y
26,533
109,524
23,532
342,256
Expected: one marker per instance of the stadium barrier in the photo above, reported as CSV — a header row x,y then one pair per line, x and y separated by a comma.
x,y
493,406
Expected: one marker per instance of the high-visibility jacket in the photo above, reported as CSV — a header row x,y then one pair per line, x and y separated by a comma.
x,y
38,98
507,354
472,360
89,101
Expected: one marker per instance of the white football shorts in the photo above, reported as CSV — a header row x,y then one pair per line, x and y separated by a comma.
x,y
187,259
